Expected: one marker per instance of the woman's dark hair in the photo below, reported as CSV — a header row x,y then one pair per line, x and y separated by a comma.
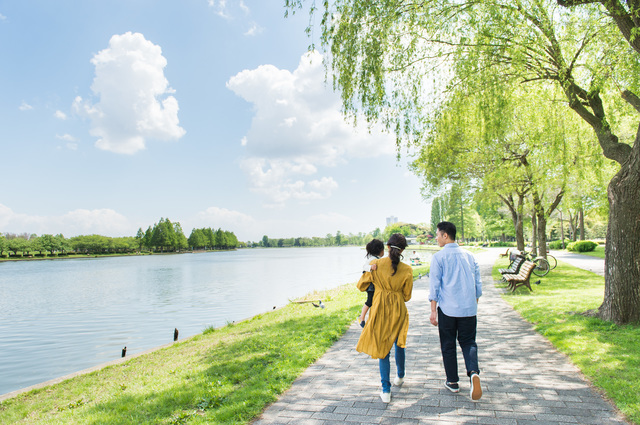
x,y
396,243
375,247
448,228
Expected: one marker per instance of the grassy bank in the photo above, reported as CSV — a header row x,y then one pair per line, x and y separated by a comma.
x,y
223,376
560,308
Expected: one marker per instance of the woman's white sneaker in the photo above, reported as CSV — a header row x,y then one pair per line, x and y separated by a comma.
x,y
386,397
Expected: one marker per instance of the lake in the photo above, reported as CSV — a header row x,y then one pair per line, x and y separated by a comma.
x,y
61,316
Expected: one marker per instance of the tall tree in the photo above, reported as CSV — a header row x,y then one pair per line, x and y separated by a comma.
x,y
384,54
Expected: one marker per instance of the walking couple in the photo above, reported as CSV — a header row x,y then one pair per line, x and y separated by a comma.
x,y
455,287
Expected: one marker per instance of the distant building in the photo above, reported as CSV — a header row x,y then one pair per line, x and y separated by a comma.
x,y
391,220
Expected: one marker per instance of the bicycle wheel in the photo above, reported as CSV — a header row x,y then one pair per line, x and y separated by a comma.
x,y
552,261
541,268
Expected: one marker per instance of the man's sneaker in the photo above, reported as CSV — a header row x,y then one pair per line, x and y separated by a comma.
x,y
386,397
452,386
398,381
476,389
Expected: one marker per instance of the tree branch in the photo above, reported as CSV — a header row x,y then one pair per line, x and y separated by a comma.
x,y
632,99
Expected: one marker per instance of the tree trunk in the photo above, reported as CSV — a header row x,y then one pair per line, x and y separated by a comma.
x,y
542,235
622,252
534,236
517,216
581,224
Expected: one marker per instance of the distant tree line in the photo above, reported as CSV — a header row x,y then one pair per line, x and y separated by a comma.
x,y
163,236
338,239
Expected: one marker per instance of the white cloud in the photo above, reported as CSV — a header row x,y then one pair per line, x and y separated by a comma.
x,y
104,222
228,11
131,85
72,146
298,127
255,29
67,137
24,106
2,17
60,115
244,226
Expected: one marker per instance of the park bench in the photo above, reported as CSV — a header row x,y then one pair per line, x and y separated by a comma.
x,y
521,278
514,268
506,254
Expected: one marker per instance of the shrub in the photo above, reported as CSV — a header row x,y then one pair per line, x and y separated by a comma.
x,y
558,244
582,246
499,243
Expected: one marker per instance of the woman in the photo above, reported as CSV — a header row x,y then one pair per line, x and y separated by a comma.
x,y
388,322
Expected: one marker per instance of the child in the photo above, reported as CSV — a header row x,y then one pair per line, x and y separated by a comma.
x,y
375,250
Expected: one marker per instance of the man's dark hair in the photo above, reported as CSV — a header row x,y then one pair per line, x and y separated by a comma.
x,y
448,228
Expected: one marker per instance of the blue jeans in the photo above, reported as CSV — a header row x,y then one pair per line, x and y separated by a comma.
x,y
385,368
464,329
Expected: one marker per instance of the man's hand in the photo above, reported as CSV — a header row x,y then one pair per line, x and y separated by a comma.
x,y
434,318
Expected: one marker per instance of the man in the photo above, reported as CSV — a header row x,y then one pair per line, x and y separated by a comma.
x,y
455,287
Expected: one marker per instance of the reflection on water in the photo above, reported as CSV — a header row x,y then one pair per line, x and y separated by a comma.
x,y
58,317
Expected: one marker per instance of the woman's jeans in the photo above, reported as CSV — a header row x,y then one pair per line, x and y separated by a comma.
x,y
385,368
464,329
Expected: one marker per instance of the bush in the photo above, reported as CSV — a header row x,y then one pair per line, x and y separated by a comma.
x,y
558,244
508,244
582,246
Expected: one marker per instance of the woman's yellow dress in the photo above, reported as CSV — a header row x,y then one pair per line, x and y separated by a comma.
x,y
388,316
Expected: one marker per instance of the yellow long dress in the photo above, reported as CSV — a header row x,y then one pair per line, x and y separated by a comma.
x,y
388,316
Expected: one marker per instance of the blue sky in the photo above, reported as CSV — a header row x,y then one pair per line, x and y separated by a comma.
x,y
208,112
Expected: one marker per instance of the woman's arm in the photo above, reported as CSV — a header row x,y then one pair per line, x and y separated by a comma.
x,y
407,288
364,281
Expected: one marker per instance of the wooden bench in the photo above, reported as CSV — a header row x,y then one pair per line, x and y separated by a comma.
x,y
506,254
514,268
522,278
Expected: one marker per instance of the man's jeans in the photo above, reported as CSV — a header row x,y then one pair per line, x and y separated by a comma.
x,y
385,368
464,329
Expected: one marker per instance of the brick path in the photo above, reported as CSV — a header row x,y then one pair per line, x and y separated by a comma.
x,y
525,380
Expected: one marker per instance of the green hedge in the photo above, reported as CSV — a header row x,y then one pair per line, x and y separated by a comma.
x,y
582,246
508,244
558,244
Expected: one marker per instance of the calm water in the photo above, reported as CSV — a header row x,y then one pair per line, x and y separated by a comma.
x,y
58,317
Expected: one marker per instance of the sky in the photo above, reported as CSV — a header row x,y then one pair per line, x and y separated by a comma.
x,y
212,113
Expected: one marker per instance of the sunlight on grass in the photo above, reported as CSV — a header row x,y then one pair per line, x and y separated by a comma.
x,y
223,376
561,308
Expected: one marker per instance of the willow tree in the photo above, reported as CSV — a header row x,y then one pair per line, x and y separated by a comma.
x,y
386,54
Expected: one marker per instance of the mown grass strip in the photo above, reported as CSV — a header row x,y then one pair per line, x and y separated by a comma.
x,y
561,308
223,376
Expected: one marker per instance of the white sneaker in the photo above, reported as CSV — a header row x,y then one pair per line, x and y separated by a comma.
x,y
476,389
386,397
398,381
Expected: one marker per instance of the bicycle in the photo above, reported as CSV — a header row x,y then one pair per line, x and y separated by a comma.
x,y
543,266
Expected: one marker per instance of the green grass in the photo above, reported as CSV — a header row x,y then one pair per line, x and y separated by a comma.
x,y
420,270
608,354
598,252
223,376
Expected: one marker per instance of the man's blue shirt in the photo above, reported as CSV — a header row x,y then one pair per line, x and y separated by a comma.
x,y
454,281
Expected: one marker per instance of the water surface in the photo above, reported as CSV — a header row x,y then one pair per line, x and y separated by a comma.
x,y
62,316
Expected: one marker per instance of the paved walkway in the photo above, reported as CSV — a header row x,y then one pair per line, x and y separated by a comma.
x,y
525,380
593,264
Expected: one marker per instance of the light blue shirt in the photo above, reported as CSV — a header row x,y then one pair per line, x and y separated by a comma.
x,y
454,281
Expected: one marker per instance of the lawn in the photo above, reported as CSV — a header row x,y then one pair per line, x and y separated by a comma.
x,y
223,376
561,308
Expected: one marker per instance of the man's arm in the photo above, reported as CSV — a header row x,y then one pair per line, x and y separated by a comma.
x,y
434,313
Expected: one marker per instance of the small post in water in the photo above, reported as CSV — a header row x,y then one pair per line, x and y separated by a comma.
x,y
175,334
124,351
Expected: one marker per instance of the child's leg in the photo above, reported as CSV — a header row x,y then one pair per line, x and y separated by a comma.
x,y
365,308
